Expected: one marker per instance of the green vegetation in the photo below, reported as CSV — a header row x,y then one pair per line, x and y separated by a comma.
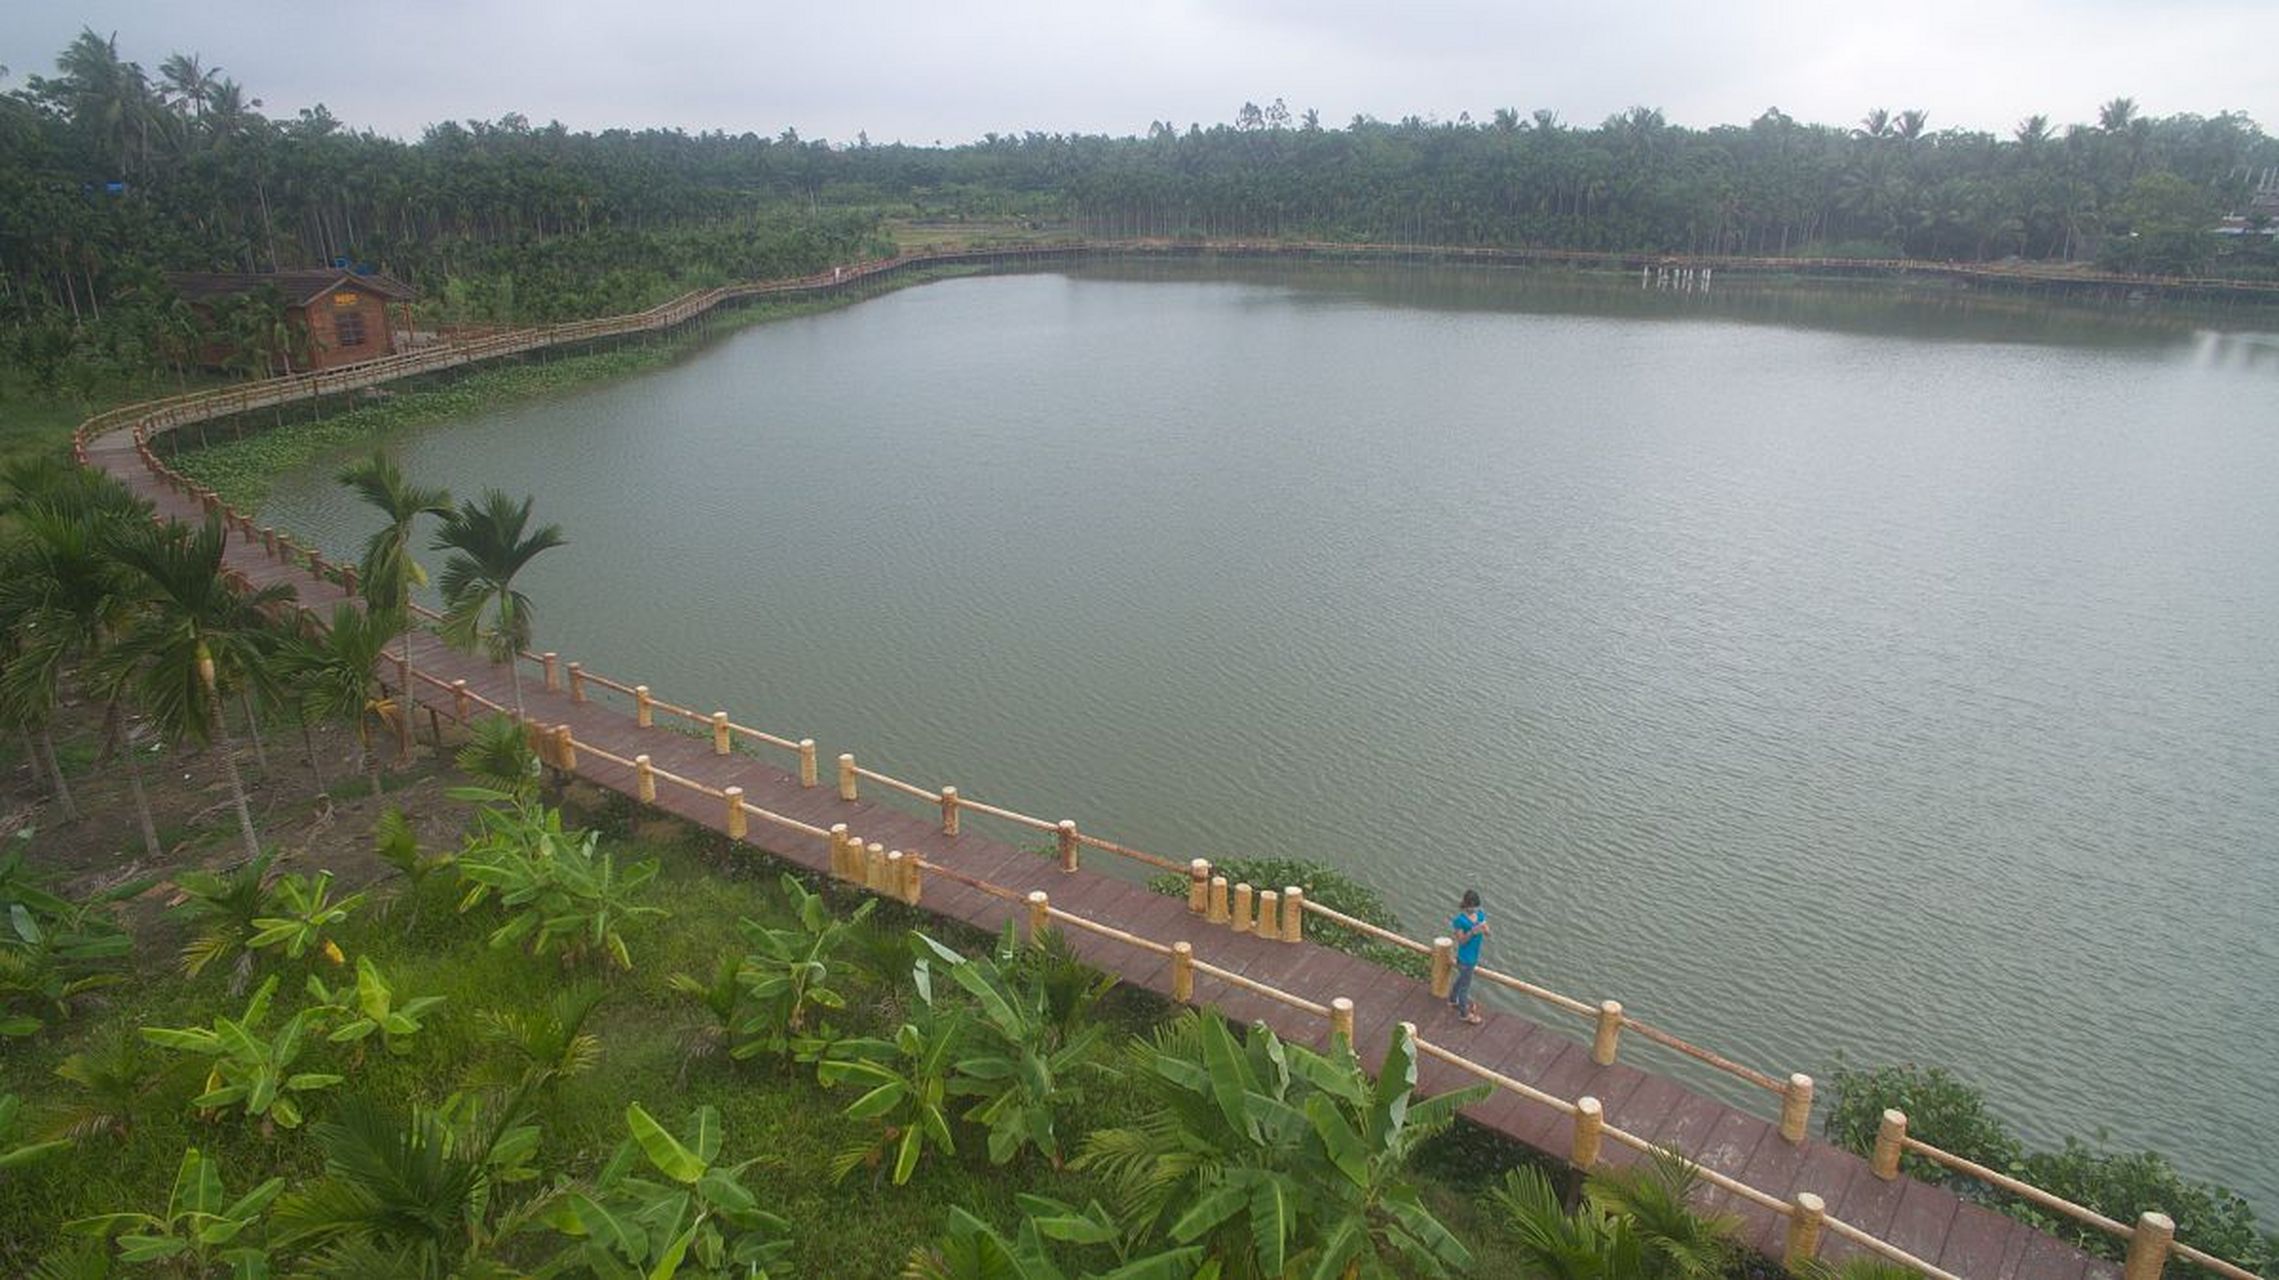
x,y
1953,1116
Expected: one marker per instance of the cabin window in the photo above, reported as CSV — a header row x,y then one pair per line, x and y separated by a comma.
x,y
348,329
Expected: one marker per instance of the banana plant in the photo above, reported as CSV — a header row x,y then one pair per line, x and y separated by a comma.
x,y
250,1071
560,892
1286,1158
788,972
906,1086
699,1220
200,1227
307,912
1021,1068
371,1006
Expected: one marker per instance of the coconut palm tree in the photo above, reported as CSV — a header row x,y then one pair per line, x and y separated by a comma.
x,y
199,628
488,548
62,596
388,571
333,672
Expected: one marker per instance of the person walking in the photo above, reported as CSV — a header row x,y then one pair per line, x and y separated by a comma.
x,y
1469,926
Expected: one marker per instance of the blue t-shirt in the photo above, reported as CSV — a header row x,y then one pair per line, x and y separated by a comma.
x,y
1468,951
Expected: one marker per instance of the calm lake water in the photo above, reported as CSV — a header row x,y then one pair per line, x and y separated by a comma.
x,y
1812,672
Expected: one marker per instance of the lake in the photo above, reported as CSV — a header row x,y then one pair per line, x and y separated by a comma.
x,y
1813,671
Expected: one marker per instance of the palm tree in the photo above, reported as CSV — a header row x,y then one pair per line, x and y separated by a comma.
x,y
200,627
186,81
389,573
62,596
334,674
1632,1224
488,548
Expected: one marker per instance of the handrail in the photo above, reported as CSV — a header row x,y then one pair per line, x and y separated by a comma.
x,y
701,300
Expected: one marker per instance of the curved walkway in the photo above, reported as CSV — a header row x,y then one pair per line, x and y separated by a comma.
x,y
1778,1187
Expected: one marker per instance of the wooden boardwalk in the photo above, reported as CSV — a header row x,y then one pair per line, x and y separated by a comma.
x,y
1959,1238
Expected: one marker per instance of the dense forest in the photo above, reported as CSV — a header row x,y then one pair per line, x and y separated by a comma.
x,y
111,176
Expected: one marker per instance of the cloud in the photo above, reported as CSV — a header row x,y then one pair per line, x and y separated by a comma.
x,y
926,71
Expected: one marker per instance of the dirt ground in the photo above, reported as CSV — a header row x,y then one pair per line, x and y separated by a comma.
x,y
314,827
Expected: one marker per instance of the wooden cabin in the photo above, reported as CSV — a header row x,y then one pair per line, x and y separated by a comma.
x,y
337,316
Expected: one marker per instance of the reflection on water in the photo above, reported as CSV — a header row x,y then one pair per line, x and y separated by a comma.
x,y
1885,671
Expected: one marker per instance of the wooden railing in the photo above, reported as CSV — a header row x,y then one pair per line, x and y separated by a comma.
x,y
1242,908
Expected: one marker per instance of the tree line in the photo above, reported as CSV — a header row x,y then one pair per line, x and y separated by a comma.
x,y
110,176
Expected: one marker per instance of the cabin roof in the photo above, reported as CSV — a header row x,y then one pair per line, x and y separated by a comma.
x,y
299,288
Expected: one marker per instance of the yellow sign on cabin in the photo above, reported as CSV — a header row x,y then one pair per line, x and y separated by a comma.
x,y
346,299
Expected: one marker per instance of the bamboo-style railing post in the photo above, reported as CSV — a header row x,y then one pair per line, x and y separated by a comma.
x,y
550,663
1804,1229
890,875
642,715
874,867
1443,967
949,811
459,701
847,776
317,565
269,541
1590,1129
735,798
645,779
577,682
1183,972
565,750
1040,917
720,742
1607,1041
1341,1021
1293,914
912,868
807,762
838,841
1199,885
348,578
1269,915
1244,915
1890,1140
2148,1247
1796,1108
1068,847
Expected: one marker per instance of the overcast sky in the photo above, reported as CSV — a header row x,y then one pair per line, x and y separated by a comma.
x,y
926,70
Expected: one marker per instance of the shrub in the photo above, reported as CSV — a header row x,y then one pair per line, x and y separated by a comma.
x,y
2123,1184
1941,1110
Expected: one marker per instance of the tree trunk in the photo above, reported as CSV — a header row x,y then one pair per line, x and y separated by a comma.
x,y
309,740
514,674
55,775
228,753
253,730
368,761
407,698
150,843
